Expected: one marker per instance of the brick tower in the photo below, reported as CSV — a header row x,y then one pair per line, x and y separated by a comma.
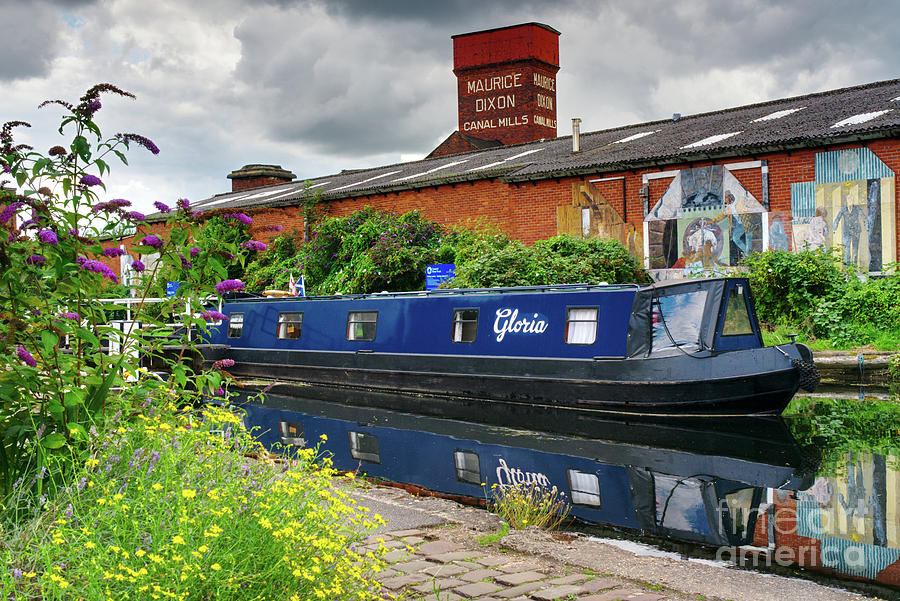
x,y
507,82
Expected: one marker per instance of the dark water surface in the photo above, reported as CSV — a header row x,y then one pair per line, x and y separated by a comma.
x,y
818,488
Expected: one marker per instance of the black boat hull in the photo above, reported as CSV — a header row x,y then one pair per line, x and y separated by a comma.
x,y
748,382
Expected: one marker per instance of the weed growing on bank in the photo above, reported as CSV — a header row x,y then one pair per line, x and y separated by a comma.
x,y
171,506
525,505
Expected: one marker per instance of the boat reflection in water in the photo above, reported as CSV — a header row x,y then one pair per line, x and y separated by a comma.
x,y
701,481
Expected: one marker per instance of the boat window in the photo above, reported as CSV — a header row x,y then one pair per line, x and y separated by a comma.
x,y
289,325
737,318
740,508
361,325
235,325
581,325
584,488
364,447
679,504
291,434
468,468
465,325
677,319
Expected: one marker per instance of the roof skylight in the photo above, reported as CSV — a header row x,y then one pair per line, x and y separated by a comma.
x,y
861,118
365,180
711,139
779,114
500,162
636,136
415,175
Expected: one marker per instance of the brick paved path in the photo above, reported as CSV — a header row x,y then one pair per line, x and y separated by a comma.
x,y
423,566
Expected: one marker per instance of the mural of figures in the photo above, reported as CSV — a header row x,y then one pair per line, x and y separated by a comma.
x,y
850,205
714,219
779,231
590,215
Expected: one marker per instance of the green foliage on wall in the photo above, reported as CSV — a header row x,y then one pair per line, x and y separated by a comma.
x,y
563,259
814,292
371,251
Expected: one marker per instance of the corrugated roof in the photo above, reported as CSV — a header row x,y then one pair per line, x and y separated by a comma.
x,y
858,113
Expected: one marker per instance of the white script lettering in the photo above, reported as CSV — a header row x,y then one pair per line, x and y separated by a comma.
x,y
508,320
507,476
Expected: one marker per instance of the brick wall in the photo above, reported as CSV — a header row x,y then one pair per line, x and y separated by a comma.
x,y
527,210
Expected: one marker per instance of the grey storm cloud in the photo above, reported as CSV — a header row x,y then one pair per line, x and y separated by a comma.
x,y
30,39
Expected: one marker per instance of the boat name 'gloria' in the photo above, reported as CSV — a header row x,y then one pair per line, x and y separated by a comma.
x,y
507,476
508,321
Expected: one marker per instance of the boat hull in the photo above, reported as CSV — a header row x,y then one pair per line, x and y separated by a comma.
x,y
747,382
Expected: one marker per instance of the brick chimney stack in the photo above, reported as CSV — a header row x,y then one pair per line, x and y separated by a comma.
x,y
256,176
507,82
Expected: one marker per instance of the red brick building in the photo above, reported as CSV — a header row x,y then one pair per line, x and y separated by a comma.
x,y
691,193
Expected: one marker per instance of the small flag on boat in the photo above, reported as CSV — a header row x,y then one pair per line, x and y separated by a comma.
x,y
292,286
301,289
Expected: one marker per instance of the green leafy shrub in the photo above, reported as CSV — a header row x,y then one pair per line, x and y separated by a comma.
x,y
274,268
788,285
169,506
559,260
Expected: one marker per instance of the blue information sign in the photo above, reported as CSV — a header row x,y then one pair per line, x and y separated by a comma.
x,y
435,274
172,288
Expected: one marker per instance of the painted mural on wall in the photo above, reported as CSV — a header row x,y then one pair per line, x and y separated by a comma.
x,y
705,220
591,215
855,516
850,206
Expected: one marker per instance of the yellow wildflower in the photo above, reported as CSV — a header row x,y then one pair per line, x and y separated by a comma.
x,y
188,493
177,540
215,567
89,545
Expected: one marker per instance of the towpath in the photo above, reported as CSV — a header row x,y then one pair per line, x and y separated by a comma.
x,y
435,555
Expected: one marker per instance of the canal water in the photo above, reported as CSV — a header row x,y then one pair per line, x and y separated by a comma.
x,y
817,489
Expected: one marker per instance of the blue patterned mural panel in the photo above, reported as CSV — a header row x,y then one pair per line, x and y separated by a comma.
x,y
803,200
849,165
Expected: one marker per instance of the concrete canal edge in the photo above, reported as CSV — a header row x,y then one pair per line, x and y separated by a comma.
x,y
435,554
854,368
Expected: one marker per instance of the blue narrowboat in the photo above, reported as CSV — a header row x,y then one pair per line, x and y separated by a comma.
x,y
686,348
682,481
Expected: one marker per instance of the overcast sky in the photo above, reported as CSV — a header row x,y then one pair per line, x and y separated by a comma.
x,y
317,87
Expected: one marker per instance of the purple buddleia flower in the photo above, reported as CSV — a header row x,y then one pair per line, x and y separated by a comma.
x,y
140,141
57,151
223,363
9,211
185,264
35,260
91,180
243,218
101,206
134,216
91,107
138,266
101,268
270,228
69,315
254,245
113,252
183,203
12,237
25,357
48,237
119,203
229,285
213,315
152,240
194,251
162,207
